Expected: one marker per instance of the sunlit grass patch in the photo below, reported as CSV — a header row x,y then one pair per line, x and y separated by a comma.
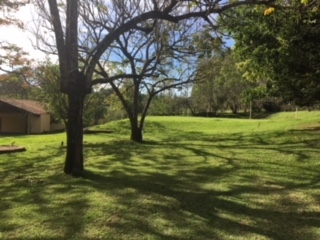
x,y
193,178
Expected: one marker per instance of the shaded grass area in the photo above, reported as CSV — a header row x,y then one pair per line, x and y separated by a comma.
x,y
230,179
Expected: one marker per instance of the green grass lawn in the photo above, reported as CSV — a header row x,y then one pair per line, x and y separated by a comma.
x,y
193,178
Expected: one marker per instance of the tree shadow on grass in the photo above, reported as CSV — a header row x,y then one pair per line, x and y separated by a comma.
x,y
162,196
29,207
221,212
180,202
275,141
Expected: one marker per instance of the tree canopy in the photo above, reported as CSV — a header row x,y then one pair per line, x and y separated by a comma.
x,y
281,47
73,23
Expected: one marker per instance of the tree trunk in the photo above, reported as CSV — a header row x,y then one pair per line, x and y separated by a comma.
x,y
234,109
136,131
74,156
136,135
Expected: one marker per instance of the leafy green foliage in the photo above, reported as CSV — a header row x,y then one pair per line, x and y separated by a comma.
x,y
96,106
49,91
169,104
219,84
207,43
281,48
48,77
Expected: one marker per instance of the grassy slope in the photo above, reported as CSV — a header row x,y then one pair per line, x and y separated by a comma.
x,y
194,178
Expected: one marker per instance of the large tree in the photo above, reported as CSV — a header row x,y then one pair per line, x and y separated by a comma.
x,y
281,47
68,17
158,60
207,92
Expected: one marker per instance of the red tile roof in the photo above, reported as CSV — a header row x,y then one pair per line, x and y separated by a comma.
x,y
26,105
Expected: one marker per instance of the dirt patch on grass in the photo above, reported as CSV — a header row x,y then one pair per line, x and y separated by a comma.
x,y
10,149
